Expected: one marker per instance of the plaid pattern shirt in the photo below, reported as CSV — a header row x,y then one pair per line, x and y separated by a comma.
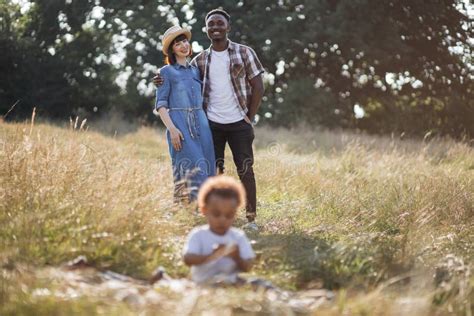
x,y
244,66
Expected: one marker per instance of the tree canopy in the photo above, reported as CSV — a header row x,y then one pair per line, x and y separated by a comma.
x,y
379,66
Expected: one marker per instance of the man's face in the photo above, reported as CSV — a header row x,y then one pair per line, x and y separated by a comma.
x,y
220,213
217,27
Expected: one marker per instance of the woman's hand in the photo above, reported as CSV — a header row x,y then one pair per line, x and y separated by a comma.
x,y
176,138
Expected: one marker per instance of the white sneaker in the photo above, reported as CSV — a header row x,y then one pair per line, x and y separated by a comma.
x,y
251,226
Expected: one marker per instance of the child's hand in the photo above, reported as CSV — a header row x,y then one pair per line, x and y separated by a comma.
x,y
222,250
219,249
234,252
218,252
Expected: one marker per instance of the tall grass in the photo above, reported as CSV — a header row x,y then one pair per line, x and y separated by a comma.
x,y
363,215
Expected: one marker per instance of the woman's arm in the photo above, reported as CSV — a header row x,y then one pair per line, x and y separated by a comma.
x,y
175,134
161,109
163,91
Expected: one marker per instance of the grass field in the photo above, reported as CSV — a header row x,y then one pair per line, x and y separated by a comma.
x,y
387,224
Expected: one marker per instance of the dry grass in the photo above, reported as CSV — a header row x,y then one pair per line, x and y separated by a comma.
x,y
340,210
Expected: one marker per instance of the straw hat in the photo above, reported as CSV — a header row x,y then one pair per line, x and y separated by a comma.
x,y
171,34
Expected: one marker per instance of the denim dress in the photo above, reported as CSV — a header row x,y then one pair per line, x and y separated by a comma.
x,y
181,95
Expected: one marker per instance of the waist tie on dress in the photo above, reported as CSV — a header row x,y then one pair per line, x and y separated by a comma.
x,y
190,118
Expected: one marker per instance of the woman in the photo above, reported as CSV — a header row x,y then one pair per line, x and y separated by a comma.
x,y
179,105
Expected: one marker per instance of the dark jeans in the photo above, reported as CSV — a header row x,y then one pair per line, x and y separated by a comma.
x,y
240,137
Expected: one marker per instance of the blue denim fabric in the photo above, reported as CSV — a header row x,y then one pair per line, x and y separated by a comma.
x,y
181,87
181,94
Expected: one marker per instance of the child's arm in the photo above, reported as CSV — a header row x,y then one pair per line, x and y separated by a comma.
x,y
192,259
243,265
242,253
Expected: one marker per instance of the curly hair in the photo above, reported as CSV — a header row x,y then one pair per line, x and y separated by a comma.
x,y
217,11
222,186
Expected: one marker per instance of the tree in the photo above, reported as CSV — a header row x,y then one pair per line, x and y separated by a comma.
x,y
394,58
407,64
51,60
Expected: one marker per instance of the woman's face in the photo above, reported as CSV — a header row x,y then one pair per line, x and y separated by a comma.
x,y
181,48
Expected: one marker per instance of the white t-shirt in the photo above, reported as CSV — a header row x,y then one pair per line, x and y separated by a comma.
x,y
223,106
202,241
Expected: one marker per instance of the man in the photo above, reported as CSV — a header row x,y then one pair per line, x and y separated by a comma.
x,y
232,91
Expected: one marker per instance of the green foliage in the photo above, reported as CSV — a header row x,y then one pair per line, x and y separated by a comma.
x,y
58,56
360,261
346,48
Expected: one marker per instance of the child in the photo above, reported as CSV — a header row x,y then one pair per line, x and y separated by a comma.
x,y
217,252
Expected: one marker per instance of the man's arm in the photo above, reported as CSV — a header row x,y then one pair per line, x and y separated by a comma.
x,y
257,93
198,62
254,70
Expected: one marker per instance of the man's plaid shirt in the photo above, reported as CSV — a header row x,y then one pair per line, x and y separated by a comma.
x,y
244,65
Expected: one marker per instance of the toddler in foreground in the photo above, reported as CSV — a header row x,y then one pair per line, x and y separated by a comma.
x,y
217,252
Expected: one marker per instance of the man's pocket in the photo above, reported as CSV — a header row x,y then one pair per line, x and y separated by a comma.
x,y
237,70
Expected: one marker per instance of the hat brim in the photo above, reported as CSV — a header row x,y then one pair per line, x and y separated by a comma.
x,y
169,39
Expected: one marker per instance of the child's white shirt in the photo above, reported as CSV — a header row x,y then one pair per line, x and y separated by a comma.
x,y
202,241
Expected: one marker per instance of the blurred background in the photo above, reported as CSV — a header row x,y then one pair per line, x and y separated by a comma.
x,y
384,67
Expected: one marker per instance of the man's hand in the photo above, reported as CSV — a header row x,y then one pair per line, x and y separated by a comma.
x,y
247,119
158,80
